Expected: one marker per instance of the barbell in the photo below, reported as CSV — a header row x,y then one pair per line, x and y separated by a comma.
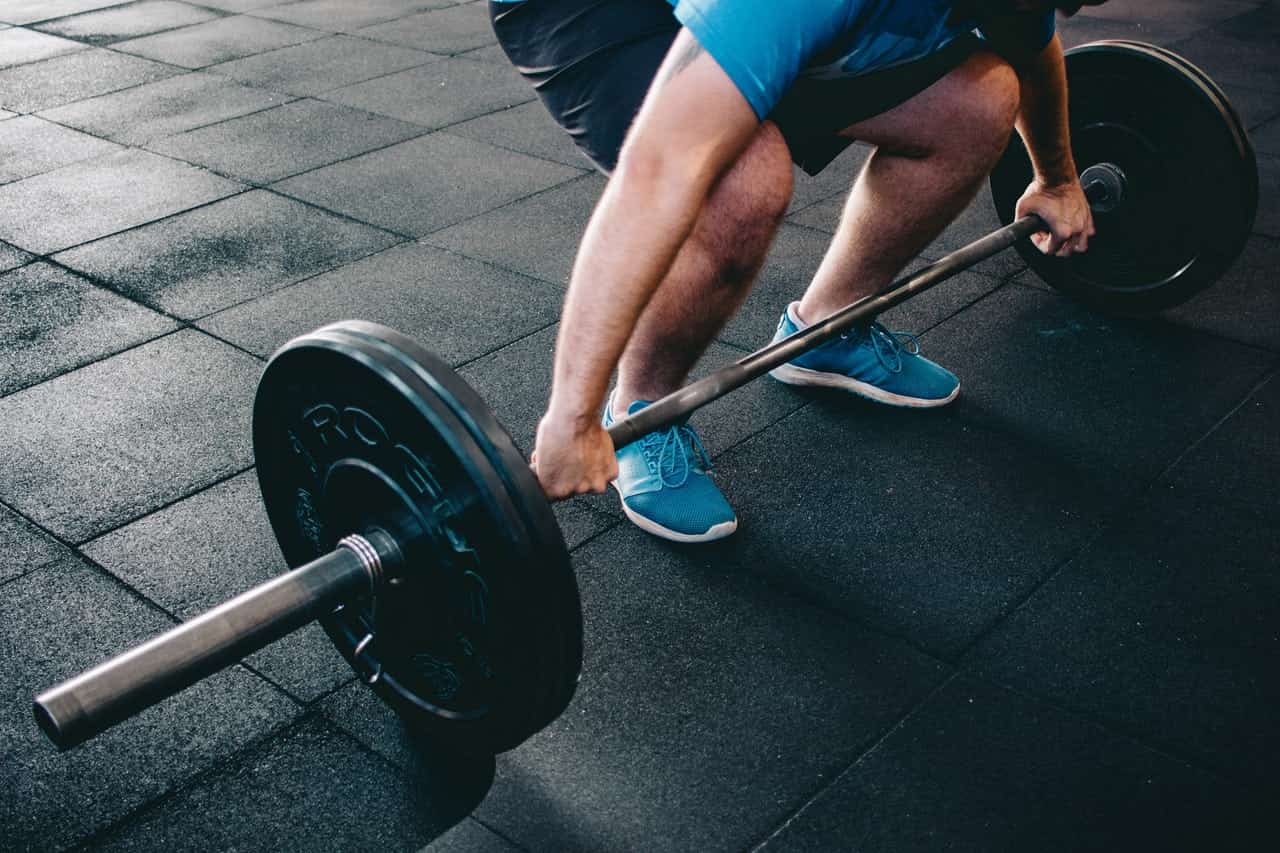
x,y
418,536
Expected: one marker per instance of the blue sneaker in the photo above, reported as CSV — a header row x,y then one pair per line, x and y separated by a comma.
x,y
870,361
663,483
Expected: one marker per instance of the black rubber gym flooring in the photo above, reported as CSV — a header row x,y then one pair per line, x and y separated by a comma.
x,y
1045,618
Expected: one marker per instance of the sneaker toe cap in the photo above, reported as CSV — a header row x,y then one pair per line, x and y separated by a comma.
x,y
692,510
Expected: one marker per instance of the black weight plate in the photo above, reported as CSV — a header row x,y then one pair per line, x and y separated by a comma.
x,y
1192,179
479,643
561,619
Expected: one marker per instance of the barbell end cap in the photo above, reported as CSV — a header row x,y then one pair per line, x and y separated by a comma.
x,y
1105,185
57,714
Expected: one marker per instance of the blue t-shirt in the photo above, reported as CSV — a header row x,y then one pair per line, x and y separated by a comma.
x,y
764,45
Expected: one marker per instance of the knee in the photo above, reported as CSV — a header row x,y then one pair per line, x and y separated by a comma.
x,y
748,203
990,98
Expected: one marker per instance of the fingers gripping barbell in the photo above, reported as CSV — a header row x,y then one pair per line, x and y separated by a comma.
x,y
419,537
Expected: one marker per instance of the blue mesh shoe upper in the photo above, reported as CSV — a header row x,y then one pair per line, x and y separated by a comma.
x,y
876,356
662,478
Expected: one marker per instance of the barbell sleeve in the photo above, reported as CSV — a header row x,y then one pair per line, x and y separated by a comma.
x,y
679,404
114,691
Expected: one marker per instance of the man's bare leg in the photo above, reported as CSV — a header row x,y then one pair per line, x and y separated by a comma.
x,y
712,274
933,153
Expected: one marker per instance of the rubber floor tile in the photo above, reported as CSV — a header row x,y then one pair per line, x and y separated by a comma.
x,y
164,108
1095,392
439,94
92,199
341,15
273,144
710,706
227,252
537,236
455,307
526,128
19,46
52,321
1244,305
31,11
25,546
128,21
454,29
426,184
982,769
217,41
324,64
105,444
74,77
309,788
1165,628
30,146
61,620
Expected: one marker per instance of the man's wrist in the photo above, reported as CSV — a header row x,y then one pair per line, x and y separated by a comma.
x,y
572,415
1057,177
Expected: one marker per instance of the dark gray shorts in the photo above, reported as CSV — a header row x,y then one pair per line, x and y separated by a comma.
x,y
591,63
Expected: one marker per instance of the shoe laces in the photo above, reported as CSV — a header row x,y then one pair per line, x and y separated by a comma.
x,y
887,345
668,454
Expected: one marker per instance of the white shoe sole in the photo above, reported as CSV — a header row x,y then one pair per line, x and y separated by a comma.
x,y
792,375
717,531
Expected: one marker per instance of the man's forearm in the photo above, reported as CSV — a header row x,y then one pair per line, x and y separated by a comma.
x,y
638,227
1042,118
693,125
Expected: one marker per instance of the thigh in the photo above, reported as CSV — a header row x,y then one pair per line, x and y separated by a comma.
x,y
967,102
821,117
590,61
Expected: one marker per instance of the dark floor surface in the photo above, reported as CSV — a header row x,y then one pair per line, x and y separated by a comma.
x,y
1044,618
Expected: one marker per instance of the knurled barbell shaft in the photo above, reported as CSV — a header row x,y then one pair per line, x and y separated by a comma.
x,y
114,691
679,404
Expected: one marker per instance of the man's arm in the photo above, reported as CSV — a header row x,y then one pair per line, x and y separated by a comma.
x,y
1055,194
694,123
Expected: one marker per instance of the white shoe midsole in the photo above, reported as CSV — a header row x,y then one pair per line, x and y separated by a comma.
x,y
716,531
792,375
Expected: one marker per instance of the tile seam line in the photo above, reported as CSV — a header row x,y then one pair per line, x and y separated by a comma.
x,y
355,259
808,596
48,256
1122,521
83,39
798,811
801,592
346,217
431,58
426,130
405,242
42,21
91,839
1168,751
462,365
114,528
254,183
1165,323
103,284
177,68
89,363
504,836
421,241
581,176
222,16
139,145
